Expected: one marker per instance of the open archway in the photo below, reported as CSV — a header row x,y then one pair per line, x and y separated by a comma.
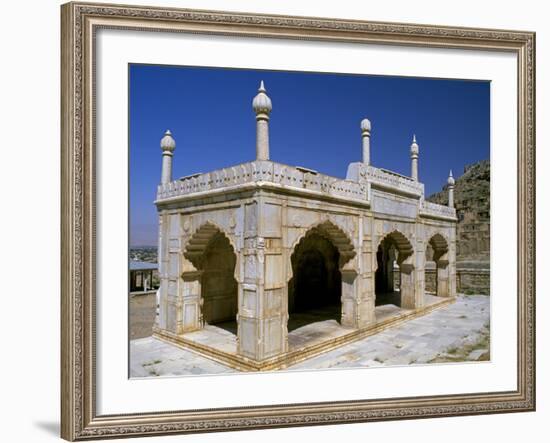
x,y
213,256
437,259
315,289
394,258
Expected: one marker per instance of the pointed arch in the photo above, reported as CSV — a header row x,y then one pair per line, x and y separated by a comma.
x,y
440,247
389,244
211,252
315,274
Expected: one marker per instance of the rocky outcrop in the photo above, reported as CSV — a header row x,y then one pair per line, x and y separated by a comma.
x,y
472,203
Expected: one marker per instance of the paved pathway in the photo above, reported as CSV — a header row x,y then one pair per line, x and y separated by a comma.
x,y
457,332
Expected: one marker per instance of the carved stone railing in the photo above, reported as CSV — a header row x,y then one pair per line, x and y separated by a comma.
x,y
434,210
393,181
263,171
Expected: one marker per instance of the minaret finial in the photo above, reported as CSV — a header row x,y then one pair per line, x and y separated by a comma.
x,y
168,145
451,189
414,159
450,179
262,108
365,134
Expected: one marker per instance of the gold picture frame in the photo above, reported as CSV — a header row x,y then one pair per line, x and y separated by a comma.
x,y
80,21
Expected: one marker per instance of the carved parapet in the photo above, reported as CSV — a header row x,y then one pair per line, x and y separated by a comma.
x,y
262,173
433,210
384,179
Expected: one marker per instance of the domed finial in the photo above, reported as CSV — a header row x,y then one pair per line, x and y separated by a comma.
x,y
414,146
262,103
167,143
451,180
365,125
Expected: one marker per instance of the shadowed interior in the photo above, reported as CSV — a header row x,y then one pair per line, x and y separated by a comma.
x,y
219,287
315,289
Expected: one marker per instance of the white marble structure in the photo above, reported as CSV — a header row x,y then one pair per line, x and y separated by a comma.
x,y
258,241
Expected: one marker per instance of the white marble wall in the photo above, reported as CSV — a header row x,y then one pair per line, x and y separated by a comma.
x,y
265,224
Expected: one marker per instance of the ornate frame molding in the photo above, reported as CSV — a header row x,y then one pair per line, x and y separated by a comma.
x,y
79,420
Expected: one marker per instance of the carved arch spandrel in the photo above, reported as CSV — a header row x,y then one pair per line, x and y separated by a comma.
x,y
197,245
403,245
440,246
333,233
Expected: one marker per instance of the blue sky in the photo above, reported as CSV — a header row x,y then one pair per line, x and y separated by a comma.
x,y
314,123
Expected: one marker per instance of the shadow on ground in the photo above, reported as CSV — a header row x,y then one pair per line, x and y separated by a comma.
x,y
49,427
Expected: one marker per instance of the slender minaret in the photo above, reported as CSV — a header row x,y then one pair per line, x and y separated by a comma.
x,y
168,145
451,183
365,134
414,159
262,107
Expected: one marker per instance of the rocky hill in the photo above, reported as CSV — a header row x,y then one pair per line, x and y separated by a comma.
x,y
472,202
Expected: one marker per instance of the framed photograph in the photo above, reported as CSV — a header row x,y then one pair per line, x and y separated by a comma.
x,y
277,221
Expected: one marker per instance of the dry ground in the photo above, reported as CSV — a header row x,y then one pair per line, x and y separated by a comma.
x,y
142,315
459,332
